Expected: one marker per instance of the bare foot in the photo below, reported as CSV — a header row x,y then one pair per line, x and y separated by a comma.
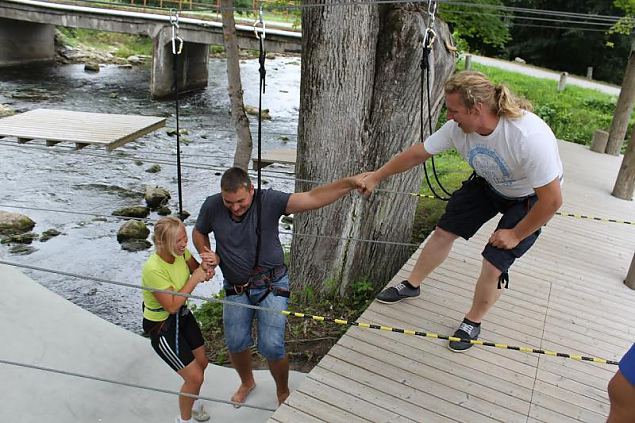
x,y
283,397
242,393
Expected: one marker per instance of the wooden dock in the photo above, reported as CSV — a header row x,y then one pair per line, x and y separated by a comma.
x,y
80,128
567,295
280,155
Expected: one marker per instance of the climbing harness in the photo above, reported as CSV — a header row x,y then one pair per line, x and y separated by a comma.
x,y
429,38
177,47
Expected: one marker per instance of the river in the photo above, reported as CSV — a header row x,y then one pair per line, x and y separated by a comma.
x,y
95,181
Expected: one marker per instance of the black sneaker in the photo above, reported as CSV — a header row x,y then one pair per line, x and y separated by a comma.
x,y
467,330
396,293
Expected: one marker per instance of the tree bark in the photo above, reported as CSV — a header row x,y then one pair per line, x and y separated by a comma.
x,y
623,109
359,106
244,144
625,182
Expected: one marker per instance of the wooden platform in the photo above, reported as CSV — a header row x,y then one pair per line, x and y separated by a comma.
x,y
80,128
567,294
280,155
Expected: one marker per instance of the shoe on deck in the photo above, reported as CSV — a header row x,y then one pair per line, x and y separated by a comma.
x,y
396,293
467,330
200,415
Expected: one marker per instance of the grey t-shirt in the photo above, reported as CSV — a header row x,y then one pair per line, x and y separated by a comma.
x,y
236,241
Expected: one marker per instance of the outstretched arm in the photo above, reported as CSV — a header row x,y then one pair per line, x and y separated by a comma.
x,y
324,194
405,160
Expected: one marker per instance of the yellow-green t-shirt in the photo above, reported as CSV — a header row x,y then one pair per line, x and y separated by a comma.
x,y
159,274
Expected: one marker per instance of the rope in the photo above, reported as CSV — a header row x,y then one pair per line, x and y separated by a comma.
x,y
262,71
130,385
326,319
428,40
176,52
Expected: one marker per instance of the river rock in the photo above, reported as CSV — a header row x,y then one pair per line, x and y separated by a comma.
x,y
155,168
251,110
132,229
135,60
134,211
6,111
14,223
21,249
520,60
48,234
164,211
91,67
135,245
156,197
26,238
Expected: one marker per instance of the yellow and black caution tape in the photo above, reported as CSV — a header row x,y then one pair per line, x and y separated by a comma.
x,y
565,214
599,219
319,318
450,338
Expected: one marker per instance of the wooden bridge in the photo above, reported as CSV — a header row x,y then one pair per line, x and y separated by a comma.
x,y
567,295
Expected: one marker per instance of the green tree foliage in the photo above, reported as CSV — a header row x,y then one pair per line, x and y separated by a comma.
x,y
481,27
627,23
565,46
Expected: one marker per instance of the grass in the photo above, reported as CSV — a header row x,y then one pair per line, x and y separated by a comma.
x,y
120,45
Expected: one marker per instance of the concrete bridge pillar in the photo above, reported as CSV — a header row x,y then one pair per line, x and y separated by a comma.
x,y
192,71
26,42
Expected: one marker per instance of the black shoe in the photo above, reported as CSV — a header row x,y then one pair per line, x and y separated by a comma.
x,y
396,293
467,330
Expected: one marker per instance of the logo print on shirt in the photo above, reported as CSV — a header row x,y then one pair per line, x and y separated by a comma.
x,y
488,164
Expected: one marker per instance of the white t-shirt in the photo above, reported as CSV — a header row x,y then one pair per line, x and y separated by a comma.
x,y
518,156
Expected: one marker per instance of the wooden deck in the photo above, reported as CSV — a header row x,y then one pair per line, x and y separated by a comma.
x,y
565,295
280,155
80,128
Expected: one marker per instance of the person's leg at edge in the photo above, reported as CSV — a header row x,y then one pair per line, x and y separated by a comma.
x,y
433,254
486,292
192,376
280,371
622,396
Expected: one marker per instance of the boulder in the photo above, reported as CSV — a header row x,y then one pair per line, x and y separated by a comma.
x,y
132,229
136,245
91,67
155,168
156,197
135,60
26,238
6,111
48,234
520,60
164,211
134,211
14,223
251,110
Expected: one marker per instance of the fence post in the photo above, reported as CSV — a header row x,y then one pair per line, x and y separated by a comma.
x,y
630,278
563,81
468,62
589,72
600,138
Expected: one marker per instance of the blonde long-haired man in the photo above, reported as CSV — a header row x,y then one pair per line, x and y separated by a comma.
x,y
517,172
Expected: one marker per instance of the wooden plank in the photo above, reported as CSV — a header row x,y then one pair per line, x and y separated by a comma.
x,y
281,155
288,414
56,126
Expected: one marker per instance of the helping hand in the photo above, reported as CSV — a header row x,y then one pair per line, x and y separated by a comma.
x,y
369,182
504,238
201,274
209,259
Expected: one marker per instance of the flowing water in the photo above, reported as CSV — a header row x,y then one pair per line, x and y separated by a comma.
x,y
96,181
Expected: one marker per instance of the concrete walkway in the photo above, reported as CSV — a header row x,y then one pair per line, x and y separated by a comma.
x,y
43,329
546,73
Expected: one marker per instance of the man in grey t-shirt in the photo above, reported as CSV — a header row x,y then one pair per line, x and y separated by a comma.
x,y
252,275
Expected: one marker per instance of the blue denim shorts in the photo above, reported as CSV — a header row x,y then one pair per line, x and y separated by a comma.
x,y
237,322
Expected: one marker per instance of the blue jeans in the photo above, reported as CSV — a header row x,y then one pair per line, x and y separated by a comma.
x,y
237,322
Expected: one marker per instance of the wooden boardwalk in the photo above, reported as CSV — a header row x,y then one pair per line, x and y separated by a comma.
x,y
280,155
565,295
80,128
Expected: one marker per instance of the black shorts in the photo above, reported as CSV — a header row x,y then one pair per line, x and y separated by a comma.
x,y
163,339
475,203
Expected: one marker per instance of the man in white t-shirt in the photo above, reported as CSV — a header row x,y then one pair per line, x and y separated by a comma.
x,y
517,172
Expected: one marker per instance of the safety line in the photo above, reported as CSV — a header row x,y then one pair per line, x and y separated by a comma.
x,y
343,322
131,385
290,178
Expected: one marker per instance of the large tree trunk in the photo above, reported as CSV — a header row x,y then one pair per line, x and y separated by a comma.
x,y
625,183
623,109
359,106
244,145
